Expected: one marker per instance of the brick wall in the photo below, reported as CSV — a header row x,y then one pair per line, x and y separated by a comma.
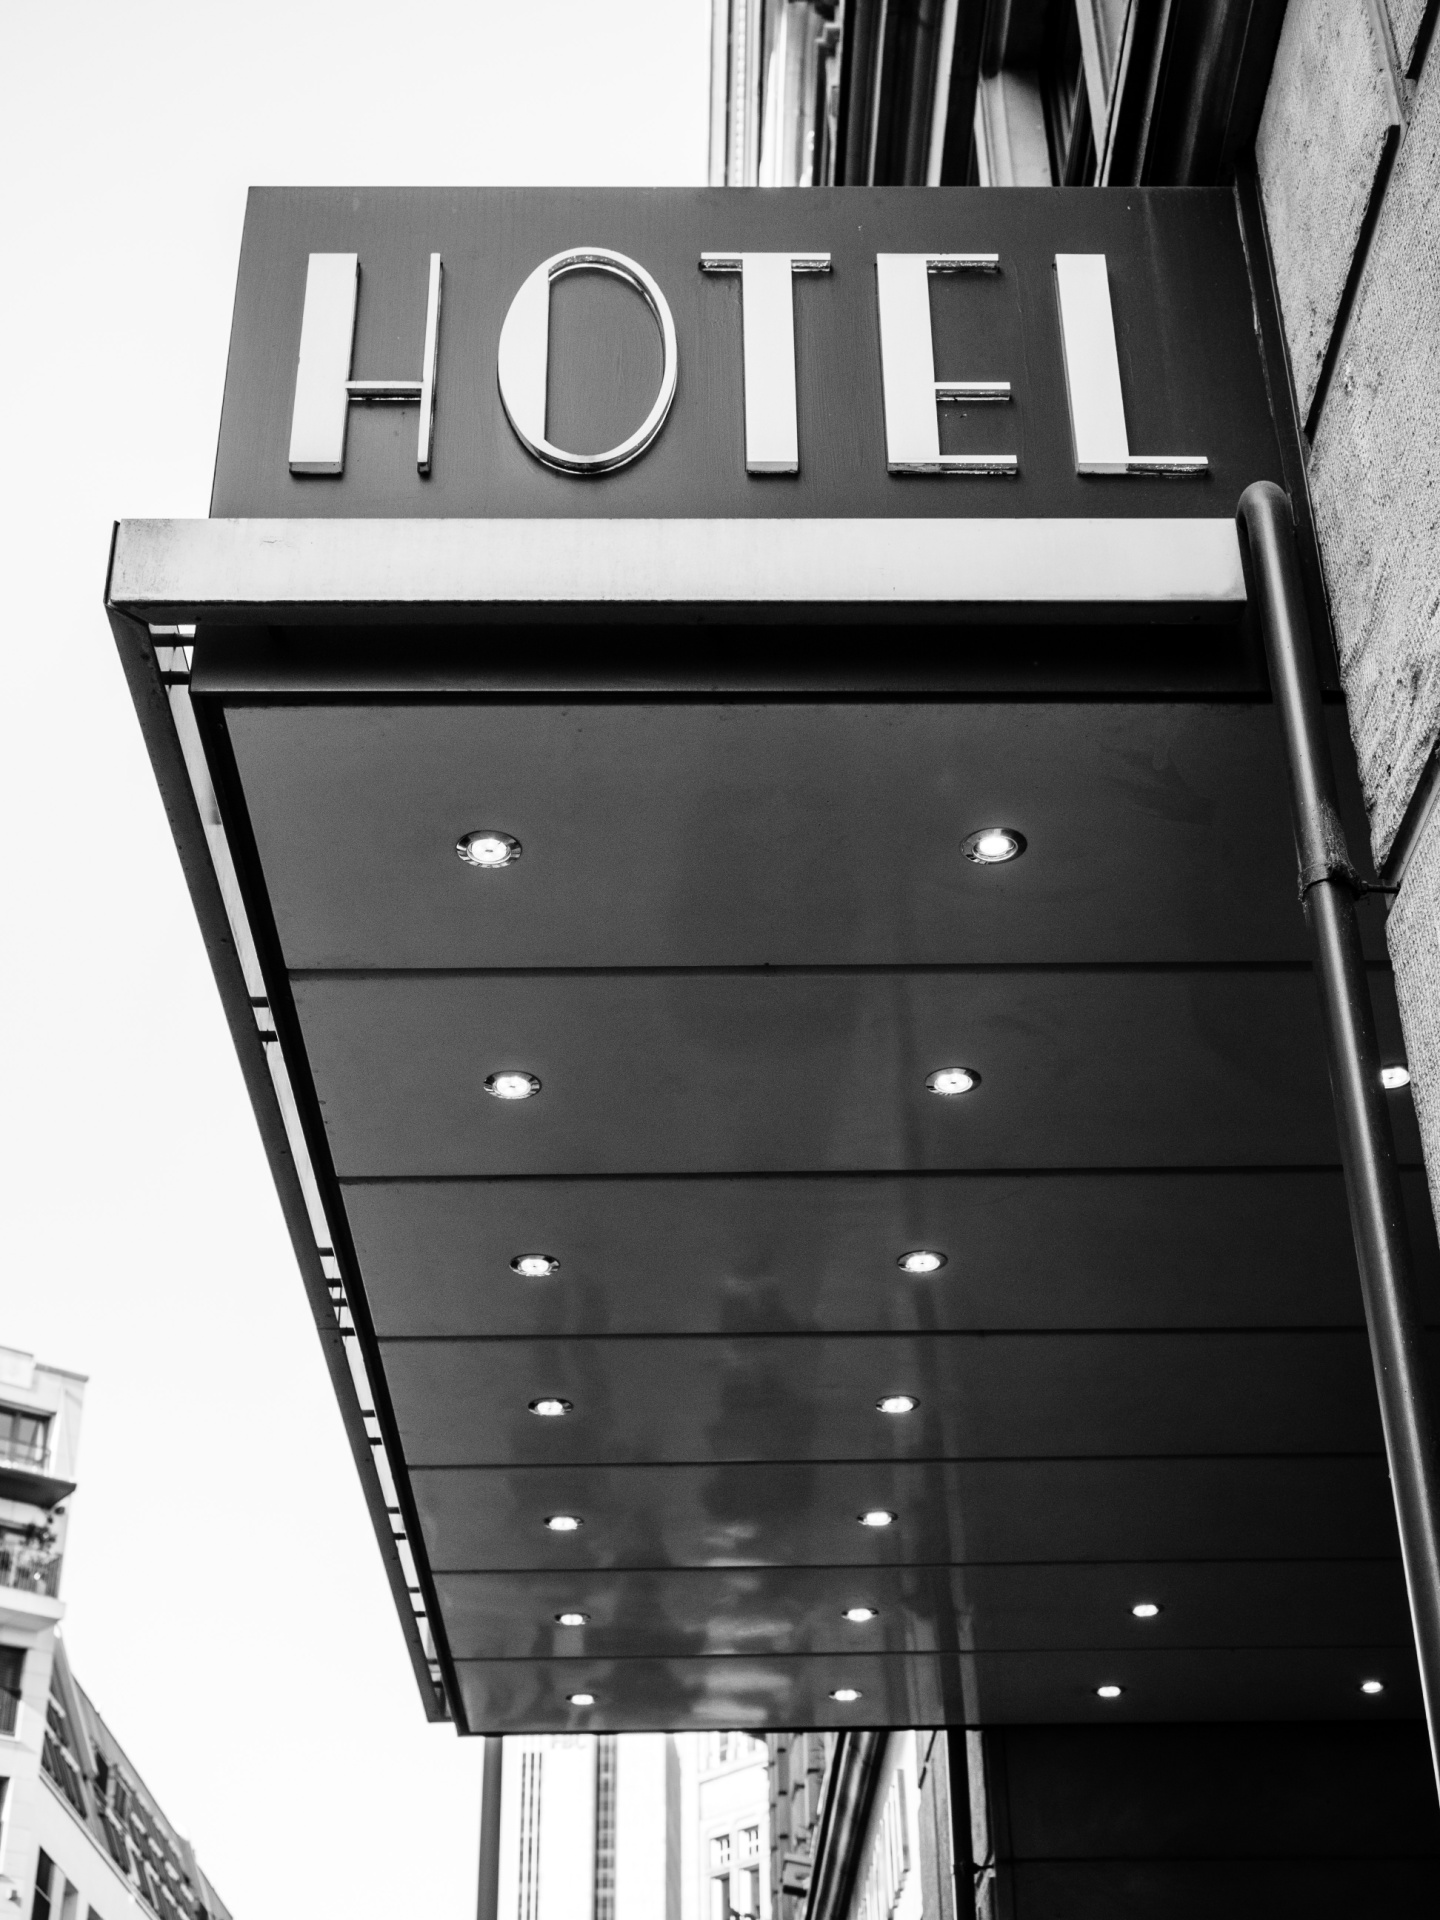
x,y
1349,162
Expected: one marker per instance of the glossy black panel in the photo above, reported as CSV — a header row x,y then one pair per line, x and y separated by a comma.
x,y
810,1256
741,835
477,1518
1248,1793
787,1610
1315,1889
978,1396
932,1689
791,1071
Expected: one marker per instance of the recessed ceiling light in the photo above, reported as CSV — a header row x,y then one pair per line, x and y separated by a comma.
x,y
857,1616
992,846
1392,1078
486,848
551,1409
876,1517
1372,1686
922,1260
572,1619
1145,1610
535,1266
897,1403
564,1522
581,1699
512,1086
1109,1692
845,1695
952,1080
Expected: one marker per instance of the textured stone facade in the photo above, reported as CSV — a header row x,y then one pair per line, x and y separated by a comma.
x,y
1344,72
1375,483
1327,118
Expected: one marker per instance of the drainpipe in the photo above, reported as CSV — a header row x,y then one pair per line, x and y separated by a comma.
x,y
1328,888
850,1784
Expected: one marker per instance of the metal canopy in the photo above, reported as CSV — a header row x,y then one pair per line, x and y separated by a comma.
x,y
741,933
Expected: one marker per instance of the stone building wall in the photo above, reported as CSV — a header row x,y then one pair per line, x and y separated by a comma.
x,y
1349,161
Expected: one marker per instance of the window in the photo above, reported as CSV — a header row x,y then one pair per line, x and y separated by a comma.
x,y
44,1877
70,1902
24,1437
750,1842
12,1668
57,1757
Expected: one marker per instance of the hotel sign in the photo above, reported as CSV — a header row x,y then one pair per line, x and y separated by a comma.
x,y
952,353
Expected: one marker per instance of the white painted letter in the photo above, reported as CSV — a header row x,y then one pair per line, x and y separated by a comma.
x,y
1092,376
907,366
323,387
772,429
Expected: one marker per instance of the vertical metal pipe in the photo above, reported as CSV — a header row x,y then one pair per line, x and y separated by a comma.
x,y
487,1905
1377,1219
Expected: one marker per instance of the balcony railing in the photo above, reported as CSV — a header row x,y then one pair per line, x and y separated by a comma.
x,y
9,1710
24,1453
31,1569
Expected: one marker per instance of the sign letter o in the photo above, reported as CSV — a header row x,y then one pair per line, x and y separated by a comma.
x,y
525,351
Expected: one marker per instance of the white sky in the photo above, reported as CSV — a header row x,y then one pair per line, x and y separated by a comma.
x,y
227,1609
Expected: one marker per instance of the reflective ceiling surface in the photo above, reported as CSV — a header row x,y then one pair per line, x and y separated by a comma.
x,y
739,936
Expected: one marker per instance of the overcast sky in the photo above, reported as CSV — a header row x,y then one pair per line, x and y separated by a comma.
x,y
226,1606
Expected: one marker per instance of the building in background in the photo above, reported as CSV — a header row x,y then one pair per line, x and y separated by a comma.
x,y
590,1828
81,1836
1023,93
731,1826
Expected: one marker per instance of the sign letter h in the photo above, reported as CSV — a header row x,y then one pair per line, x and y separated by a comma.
x,y
323,387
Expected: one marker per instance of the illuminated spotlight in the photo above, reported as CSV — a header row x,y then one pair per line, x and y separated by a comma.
x,y
952,1080
581,1699
512,1086
551,1409
993,846
876,1517
1145,1610
535,1266
1111,1692
1372,1686
857,1616
564,1522
922,1260
486,848
1393,1078
897,1403
845,1695
571,1619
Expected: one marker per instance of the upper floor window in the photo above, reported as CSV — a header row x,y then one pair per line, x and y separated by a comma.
x,y
12,1668
24,1437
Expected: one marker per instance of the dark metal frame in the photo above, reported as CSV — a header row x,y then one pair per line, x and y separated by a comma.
x,y
148,689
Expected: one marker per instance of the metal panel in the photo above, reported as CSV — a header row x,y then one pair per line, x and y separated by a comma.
x,y
696,1072
978,1396
787,1255
188,569
805,1514
931,1690
741,834
801,1610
